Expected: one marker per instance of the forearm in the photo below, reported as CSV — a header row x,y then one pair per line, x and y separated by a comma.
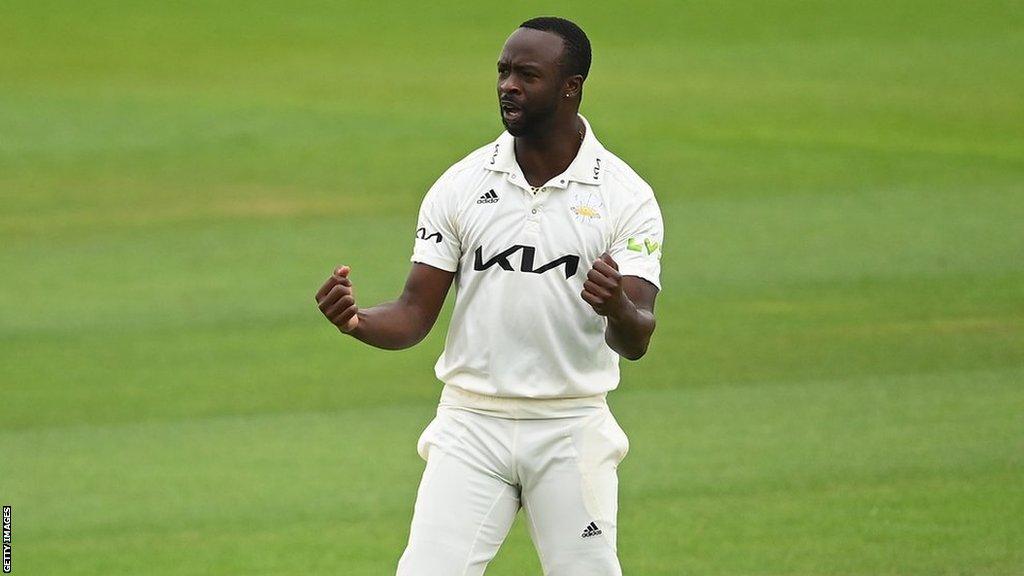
x,y
629,332
392,325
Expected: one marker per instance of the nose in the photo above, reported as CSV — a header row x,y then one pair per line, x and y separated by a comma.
x,y
508,86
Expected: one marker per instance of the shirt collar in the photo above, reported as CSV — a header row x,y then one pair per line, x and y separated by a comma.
x,y
586,168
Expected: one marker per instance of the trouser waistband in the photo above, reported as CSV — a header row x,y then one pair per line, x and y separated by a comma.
x,y
521,408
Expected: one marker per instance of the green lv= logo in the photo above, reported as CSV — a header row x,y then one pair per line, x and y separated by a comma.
x,y
651,245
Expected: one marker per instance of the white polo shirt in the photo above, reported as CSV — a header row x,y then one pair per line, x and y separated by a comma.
x,y
520,327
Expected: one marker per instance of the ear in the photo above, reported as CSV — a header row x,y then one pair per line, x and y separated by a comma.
x,y
572,86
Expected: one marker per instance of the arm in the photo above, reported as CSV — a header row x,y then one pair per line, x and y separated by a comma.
x,y
627,302
392,325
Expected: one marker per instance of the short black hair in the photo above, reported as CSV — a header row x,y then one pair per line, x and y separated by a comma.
x,y
577,45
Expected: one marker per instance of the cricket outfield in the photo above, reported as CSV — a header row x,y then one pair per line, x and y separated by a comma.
x,y
836,384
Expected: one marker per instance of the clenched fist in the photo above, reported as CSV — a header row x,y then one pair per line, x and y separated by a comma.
x,y
336,300
603,287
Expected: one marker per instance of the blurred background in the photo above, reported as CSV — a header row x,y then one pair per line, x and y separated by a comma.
x,y
836,385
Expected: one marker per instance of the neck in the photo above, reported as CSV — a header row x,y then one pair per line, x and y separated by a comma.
x,y
548,153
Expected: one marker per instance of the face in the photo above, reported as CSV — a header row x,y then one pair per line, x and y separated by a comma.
x,y
530,81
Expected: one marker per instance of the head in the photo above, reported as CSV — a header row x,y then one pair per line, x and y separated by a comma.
x,y
541,72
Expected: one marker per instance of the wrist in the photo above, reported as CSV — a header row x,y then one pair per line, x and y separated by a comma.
x,y
622,310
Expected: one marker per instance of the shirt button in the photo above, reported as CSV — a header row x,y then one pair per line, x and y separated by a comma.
x,y
534,211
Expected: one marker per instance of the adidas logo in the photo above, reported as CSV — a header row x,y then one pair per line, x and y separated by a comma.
x,y
489,198
591,530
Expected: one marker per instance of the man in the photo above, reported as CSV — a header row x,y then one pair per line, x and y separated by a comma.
x,y
555,243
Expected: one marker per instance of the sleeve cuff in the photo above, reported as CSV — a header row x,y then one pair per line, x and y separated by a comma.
x,y
646,275
440,262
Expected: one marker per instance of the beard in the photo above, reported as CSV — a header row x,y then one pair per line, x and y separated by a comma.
x,y
529,121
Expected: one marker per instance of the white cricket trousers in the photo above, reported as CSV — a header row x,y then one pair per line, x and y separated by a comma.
x,y
487,457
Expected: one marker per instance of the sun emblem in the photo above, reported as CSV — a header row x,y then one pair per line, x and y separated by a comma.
x,y
586,206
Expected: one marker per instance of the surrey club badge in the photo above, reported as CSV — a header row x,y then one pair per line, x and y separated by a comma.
x,y
586,206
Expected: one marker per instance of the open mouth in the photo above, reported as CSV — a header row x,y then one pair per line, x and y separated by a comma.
x,y
510,112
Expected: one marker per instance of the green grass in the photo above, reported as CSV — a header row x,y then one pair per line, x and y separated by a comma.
x,y
837,381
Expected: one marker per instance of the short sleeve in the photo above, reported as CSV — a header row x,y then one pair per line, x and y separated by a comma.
x,y
636,247
437,243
